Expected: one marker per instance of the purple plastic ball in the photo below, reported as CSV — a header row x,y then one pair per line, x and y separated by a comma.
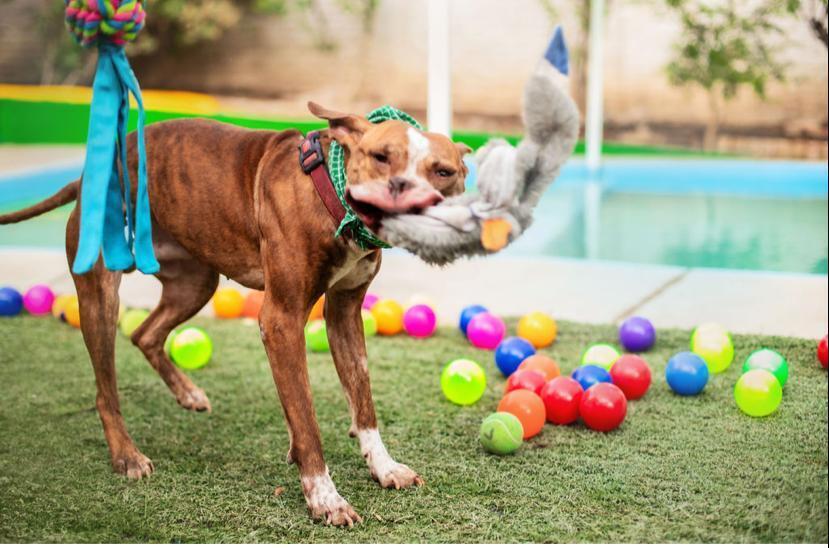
x,y
637,334
486,330
369,300
419,321
38,300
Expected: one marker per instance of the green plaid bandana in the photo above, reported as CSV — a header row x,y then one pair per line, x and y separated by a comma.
x,y
336,168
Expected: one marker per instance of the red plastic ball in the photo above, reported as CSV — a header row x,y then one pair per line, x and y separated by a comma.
x,y
561,397
632,374
603,407
529,380
527,407
823,352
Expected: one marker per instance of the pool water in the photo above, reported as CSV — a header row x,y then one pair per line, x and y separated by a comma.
x,y
715,213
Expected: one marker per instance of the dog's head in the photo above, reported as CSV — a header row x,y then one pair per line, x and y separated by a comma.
x,y
392,167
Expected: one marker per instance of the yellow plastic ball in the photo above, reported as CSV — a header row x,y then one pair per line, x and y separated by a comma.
x,y
538,328
228,303
713,344
72,311
59,305
389,316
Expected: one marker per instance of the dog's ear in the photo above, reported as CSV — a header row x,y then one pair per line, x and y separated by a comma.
x,y
347,129
463,149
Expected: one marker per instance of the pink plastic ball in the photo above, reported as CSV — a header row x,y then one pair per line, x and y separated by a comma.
x,y
419,321
38,300
370,300
486,330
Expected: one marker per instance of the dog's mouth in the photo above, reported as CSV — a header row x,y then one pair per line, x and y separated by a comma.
x,y
372,206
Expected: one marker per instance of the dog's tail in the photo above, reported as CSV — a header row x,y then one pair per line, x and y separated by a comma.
x,y
63,196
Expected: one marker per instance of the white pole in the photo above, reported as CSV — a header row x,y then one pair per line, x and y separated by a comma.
x,y
595,95
439,78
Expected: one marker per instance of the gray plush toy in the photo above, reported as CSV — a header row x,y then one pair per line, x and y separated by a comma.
x,y
511,179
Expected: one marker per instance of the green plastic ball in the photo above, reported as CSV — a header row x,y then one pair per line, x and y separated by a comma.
x,y
463,382
369,324
604,355
770,361
131,319
168,342
191,348
758,393
501,433
316,336
713,344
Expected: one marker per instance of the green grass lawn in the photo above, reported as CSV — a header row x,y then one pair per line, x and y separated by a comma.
x,y
679,469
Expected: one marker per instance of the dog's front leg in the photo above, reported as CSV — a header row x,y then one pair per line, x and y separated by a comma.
x,y
281,325
345,334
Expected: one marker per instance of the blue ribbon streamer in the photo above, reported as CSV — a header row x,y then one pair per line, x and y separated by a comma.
x,y
109,225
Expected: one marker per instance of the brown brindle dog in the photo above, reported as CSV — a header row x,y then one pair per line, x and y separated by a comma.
x,y
226,200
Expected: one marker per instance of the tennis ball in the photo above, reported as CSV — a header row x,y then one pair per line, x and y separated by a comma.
x,y
501,433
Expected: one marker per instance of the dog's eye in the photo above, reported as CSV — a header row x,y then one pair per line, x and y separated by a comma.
x,y
445,172
380,157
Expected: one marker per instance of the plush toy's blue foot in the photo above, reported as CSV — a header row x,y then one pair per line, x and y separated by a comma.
x,y
557,53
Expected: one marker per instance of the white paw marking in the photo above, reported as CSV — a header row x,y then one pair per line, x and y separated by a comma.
x,y
375,453
320,493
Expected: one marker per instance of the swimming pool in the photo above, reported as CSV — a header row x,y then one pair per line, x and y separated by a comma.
x,y
740,214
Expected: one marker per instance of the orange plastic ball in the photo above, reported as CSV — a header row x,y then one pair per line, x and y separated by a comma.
x,y
317,310
538,328
72,311
253,304
543,364
528,407
389,316
228,303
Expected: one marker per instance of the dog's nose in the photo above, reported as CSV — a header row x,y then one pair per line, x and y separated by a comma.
x,y
397,185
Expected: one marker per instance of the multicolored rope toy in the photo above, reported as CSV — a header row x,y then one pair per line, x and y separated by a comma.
x,y
109,224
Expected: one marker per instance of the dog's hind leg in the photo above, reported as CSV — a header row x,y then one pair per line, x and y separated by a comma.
x,y
186,287
98,299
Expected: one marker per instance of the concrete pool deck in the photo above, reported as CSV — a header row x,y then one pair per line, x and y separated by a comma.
x,y
572,289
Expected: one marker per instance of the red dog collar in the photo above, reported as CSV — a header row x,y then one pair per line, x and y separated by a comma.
x,y
312,162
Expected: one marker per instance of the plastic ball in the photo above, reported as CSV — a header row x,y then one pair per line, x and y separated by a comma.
x,y
637,334
420,321
38,300
168,342
687,374
11,301
823,352
511,352
758,393
131,320
316,336
369,300
59,305
486,330
603,407
389,316
632,374
528,380
527,407
369,323
467,314
538,328
318,310
771,361
588,375
501,433
191,348
253,304
72,311
543,364
561,397
600,354
713,343
463,382
228,303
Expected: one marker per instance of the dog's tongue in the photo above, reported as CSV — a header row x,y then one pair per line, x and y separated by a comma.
x,y
411,201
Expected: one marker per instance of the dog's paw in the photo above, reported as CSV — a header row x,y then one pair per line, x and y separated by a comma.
x,y
134,465
338,515
325,503
398,476
193,399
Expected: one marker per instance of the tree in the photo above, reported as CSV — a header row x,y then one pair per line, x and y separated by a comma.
x,y
726,45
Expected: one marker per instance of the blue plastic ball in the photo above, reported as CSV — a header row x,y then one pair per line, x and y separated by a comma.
x,y
11,301
687,374
588,375
637,334
511,352
467,314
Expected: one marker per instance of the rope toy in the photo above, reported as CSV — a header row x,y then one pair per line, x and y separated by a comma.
x,y
511,179
109,223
